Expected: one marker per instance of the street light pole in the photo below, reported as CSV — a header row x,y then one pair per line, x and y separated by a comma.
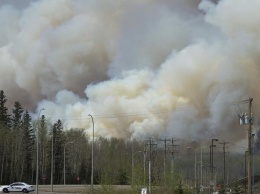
x,y
64,167
52,137
195,170
37,152
92,168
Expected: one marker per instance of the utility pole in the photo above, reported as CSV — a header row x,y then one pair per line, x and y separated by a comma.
x,y
253,150
211,163
244,120
246,152
224,167
250,148
150,144
175,148
195,166
164,162
144,163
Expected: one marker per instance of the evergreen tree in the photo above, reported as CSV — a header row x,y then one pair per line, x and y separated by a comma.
x,y
17,141
17,117
28,139
122,177
4,138
43,146
4,117
58,139
78,156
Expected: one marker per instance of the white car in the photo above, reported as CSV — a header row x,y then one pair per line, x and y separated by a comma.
x,y
17,187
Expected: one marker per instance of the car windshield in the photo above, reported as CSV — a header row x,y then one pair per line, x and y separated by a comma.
x,y
18,184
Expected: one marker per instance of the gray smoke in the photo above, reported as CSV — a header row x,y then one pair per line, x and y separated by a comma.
x,y
141,68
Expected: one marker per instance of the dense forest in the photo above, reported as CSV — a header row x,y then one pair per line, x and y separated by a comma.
x,y
116,161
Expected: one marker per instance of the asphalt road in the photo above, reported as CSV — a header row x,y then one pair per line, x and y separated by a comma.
x,y
71,189
63,189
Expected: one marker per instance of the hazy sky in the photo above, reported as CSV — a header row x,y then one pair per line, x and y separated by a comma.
x,y
144,68
16,3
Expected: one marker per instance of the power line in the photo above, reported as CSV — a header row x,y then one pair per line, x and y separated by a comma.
x,y
152,112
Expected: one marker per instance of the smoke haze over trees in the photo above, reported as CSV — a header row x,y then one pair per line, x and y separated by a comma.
x,y
141,68
117,161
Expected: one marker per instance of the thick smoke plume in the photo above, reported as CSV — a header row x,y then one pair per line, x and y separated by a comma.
x,y
141,68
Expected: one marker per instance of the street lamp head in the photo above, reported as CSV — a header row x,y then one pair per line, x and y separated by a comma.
x,y
41,110
214,139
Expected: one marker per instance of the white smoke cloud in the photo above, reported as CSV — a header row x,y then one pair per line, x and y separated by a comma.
x,y
141,68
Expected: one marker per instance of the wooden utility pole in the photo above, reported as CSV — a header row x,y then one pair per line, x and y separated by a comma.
x,y
248,120
150,144
164,162
249,163
175,149
224,160
211,164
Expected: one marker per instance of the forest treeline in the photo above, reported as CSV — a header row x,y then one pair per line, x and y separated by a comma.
x,y
116,161
71,148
